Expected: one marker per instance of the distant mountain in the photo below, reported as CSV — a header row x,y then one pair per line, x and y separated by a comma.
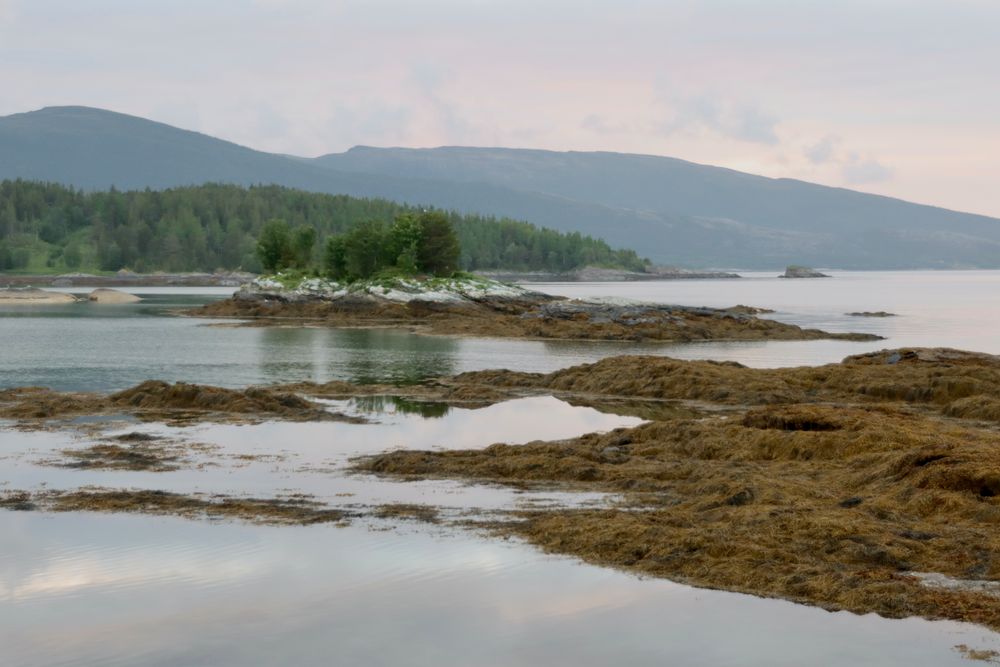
x,y
667,209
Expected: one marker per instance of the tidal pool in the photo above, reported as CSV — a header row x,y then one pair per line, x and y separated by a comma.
x,y
281,458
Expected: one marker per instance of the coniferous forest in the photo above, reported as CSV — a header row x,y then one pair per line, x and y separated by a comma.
x,y
49,228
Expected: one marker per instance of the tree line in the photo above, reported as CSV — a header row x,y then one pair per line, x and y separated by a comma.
x,y
50,228
414,244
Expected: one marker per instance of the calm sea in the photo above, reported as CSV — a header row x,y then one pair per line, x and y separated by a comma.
x,y
102,590
90,347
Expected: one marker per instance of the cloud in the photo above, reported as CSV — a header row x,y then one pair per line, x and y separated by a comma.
x,y
431,81
599,124
374,123
823,151
7,12
732,120
752,124
858,172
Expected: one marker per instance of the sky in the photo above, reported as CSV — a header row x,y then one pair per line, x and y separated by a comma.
x,y
895,97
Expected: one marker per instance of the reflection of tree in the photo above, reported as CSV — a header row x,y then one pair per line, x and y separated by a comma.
x,y
402,405
288,354
363,356
370,356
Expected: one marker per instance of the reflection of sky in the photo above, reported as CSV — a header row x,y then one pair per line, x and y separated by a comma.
x,y
310,457
108,590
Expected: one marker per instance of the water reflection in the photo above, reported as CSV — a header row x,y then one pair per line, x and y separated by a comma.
x,y
274,458
81,347
397,404
368,356
86,590
277,365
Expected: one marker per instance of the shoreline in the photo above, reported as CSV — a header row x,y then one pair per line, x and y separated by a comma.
x,y
481,307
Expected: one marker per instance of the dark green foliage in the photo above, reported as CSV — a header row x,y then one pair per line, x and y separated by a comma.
x,y
303,240
274,247
437,250
335,258
404,239
51,228
366,249
414,244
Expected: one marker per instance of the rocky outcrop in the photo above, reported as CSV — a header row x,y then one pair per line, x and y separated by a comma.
x,y
32,296
486,308
112,296
867,313
795,271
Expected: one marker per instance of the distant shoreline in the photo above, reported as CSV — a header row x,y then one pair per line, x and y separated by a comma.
x,y
236,278
233,279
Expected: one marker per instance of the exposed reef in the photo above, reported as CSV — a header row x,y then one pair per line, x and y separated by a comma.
x,y
111,296
840,486
32,296
295,510
794,271
866,313
160,401
477,307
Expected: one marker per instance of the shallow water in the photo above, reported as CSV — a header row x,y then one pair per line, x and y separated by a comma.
x,y
88,589
280,458
959,309
83,589
92,347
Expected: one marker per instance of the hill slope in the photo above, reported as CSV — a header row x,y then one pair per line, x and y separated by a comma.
x,y
670,210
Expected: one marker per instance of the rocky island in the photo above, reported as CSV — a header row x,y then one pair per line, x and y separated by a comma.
x,y
795,271
473,305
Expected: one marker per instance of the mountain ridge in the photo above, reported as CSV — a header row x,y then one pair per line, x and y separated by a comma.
x,y
672,210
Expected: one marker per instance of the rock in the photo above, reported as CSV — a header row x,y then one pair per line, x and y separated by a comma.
x,y
866,313
33,296
794,271
113,296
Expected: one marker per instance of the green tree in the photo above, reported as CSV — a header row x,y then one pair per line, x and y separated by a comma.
x,y
438,250
335,258
274,246
365,249
405,237
303,241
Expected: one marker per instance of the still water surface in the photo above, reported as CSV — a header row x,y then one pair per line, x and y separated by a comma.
x,y
85,589
123,590
89,347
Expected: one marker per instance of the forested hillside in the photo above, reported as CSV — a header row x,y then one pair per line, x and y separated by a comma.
x,y
672,211
49,228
